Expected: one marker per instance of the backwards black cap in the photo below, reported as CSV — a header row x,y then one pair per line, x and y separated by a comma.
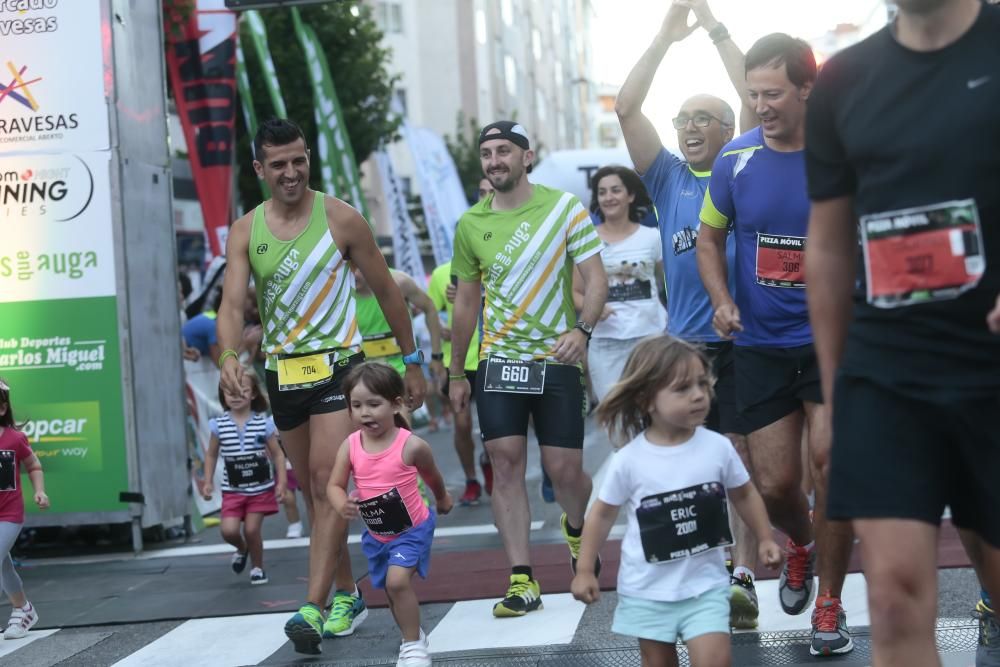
x,y
507,129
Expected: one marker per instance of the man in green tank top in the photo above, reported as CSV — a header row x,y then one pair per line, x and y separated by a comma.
x,y
377,340
297,245
522,243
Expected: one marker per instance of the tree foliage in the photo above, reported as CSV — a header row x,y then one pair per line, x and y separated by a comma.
x,y
464,149
358,64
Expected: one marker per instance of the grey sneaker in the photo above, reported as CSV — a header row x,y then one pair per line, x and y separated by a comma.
x,y
830,635
743,605
988,650
796,586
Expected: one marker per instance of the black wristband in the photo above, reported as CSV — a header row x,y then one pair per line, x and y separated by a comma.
x,y
719,34
437,356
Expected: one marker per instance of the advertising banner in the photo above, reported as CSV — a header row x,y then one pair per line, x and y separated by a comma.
x,y
48,100
201,61
337,165
59,348
405,248
441,191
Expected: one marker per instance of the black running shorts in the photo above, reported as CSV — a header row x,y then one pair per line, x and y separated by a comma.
x,y
293,408
772,382
898,457
557,413
724,417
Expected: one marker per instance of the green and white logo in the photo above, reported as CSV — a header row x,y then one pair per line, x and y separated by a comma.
x,y
64,434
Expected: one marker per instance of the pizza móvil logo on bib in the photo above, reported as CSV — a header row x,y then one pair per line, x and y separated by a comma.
x,y
65,435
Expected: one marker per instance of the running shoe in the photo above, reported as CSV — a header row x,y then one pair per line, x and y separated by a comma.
x,y
257,577
574,546
546,490
415,653
988,648
795,586
346,614
487,466
473,492
294,530
239,561
523,595
830,635
21,620
743,605
305,630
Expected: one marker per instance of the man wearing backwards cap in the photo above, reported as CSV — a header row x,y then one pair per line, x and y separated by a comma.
x,y
521,243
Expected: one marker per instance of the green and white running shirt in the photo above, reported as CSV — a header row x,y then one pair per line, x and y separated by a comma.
x,y
524,258
305,290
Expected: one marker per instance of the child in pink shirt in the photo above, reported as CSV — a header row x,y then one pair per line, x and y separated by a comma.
x,y
15,452
385,460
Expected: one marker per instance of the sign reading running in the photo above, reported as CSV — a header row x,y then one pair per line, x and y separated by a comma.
x,y
52,94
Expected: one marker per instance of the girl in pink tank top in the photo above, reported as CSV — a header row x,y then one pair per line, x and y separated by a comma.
x,y
384,458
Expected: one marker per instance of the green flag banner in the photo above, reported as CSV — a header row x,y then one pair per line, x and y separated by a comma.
x,y
260,45
337,165
249,113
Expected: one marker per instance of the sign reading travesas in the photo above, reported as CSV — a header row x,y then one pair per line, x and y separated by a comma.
x,y
52,89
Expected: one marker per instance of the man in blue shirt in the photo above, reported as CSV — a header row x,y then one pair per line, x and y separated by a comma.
x,y
704,124
757,195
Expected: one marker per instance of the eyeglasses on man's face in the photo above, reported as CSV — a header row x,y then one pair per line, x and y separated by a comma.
x,y
700,119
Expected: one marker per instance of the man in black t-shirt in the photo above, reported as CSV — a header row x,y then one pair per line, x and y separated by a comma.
x,y
903,156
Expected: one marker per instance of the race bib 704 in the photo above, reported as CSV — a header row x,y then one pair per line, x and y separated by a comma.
x,y
922,254
304,372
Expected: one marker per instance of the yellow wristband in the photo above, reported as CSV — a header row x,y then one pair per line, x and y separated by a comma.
x,y
226,354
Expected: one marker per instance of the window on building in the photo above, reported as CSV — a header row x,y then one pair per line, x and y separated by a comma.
x,y
541,107
507,12
609,134
556,25
510,75
401,98
481,26
389,16
536,44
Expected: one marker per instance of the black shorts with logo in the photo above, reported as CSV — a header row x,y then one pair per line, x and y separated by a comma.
x,y
772,382
896,456
293,408
558,412
724,417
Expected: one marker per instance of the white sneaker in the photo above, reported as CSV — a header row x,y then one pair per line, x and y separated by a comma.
x,y
294,530
22,620
415,654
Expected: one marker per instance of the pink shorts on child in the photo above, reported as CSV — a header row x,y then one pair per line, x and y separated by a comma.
x,y
293,481
238,505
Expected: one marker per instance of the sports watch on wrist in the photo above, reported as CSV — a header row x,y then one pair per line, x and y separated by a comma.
x,y
437,356
587,329
415,357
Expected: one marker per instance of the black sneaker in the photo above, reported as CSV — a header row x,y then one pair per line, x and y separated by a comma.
x,y
257,577
523,595
239,561
988,648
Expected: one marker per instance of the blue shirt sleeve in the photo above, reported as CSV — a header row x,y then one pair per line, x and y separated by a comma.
x,y
657,177
199,332
213,426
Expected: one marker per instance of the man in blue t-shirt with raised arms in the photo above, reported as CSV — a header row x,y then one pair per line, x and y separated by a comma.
x,y
757,195
704,124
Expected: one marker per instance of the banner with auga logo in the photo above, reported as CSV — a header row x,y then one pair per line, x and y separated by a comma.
x,y
55,222
50,101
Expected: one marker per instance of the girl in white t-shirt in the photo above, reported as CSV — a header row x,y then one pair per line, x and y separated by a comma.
x,y
672,478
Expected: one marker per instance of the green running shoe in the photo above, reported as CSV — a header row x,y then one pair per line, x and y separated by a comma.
x,y
305,628
346,614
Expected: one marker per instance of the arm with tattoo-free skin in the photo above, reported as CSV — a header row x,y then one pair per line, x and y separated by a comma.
x,y
353,235
572,345
229,319
831,257
714,272
463,323
641,137
732,59
422,302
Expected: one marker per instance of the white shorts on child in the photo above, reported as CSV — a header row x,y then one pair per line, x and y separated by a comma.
x,y
666,621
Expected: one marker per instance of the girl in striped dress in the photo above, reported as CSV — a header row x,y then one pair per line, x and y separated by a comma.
x,y
246,439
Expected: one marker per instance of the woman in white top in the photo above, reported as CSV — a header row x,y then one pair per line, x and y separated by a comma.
x,y
633,260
